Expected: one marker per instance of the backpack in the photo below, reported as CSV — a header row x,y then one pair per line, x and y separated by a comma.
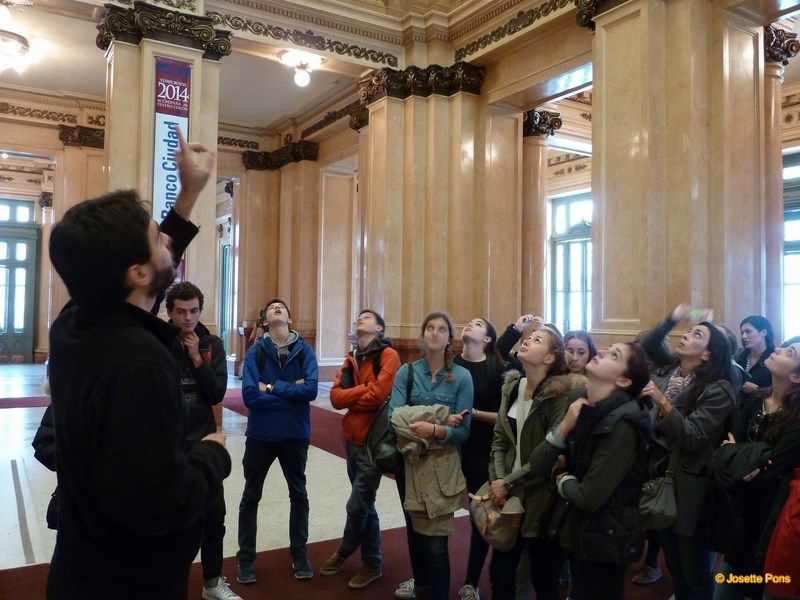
x,y
381,441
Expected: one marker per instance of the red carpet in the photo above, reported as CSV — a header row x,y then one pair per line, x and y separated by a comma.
x,y
29,402
326,425
276,580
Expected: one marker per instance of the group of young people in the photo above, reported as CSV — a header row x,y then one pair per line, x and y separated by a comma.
x,y
572,432
575,433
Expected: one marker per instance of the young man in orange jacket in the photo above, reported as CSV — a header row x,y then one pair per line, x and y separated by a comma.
x,y
361,385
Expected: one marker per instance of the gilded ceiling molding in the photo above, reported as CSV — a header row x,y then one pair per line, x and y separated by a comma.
x,y
330,118
304,39
7,108
81,137
176,4
152,22
540,123
587,11
270,161
359,118
46,200
415,81
780,45
97,120
237,143
523,20
316,17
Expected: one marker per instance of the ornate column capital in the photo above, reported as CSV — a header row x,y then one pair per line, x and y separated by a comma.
x,y
540,123
81,136
46,200
290,153
359,118
587,11
416,81
780,45
153,22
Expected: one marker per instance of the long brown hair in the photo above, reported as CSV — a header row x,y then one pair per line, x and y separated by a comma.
x,y
448,351
790,412
557,348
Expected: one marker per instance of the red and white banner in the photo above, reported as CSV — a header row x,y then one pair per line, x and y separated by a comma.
x,y
172,93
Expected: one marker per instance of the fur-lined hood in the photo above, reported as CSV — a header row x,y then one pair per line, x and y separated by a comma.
x,y
554,386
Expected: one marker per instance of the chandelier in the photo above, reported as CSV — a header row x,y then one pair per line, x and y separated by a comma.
x,y
15,50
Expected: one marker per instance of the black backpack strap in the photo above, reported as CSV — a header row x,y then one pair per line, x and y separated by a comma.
x,y
376,365
409,383
261,358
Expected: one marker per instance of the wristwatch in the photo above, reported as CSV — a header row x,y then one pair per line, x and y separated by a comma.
x,y
270,387
475,412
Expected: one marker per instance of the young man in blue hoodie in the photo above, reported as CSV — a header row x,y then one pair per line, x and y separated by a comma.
x,y
279,379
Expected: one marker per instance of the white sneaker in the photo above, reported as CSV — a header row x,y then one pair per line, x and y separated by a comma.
x,y
221,591
405,591
647,575
468,592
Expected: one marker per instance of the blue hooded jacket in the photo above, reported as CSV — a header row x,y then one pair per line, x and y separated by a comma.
x,y
285,414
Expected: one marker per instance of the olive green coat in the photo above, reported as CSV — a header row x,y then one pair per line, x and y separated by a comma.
x,y
549,405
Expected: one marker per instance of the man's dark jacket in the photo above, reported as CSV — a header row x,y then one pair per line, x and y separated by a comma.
x,y
202,386
132,493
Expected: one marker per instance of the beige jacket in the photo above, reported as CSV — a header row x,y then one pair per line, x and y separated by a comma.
x,y
434,481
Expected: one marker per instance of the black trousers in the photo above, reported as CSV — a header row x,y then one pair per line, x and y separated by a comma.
x,y
476,475
213,534
596,581
545,563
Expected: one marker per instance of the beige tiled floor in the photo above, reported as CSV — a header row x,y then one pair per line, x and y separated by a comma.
x,y
24,496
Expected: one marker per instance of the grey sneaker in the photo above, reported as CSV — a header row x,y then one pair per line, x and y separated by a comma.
x,y
246,573
302,569
647,575
220,592
405,591
468,592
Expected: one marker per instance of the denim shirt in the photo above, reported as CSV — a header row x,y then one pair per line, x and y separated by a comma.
x,y
456,395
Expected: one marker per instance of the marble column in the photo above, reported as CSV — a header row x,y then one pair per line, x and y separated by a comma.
x,y
537,127
778,49
679,185
132,38
46,273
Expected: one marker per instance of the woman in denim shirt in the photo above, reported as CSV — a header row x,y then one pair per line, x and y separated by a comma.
x,y
436,380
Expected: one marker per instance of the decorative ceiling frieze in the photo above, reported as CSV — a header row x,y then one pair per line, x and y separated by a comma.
x,y
780,45
270,161
149,21
330,118
523,20
6,108
304,39
176,4
233,142
81,137
587,11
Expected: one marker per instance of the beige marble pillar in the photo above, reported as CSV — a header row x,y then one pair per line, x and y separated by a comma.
x,y
773,206
679,186
46,274
130,112
534,223
385,213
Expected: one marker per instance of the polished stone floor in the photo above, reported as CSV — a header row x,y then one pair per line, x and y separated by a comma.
x,y
25,485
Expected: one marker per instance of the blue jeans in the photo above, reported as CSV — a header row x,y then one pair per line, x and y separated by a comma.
x,y
689,564
362,527
258,458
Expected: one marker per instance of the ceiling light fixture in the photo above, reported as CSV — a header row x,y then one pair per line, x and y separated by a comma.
x,y
15,50
302,63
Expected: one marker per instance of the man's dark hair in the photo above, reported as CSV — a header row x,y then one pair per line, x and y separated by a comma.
x,y
279,301
184,291
96,241
378,318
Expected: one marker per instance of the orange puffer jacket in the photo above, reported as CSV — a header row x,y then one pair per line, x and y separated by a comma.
x,y
368,392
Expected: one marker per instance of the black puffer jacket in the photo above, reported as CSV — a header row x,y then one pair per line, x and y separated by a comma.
x,y
607,466
204,386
